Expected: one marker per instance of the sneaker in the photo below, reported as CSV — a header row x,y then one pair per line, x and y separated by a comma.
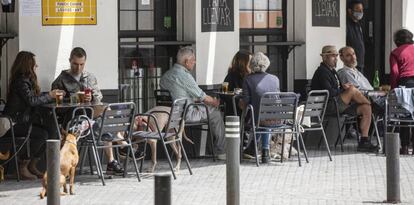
x,y
366,146
114,168
265,156
138,153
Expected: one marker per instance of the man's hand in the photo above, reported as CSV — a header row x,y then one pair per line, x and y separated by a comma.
x,y
208,100
88,97
346,86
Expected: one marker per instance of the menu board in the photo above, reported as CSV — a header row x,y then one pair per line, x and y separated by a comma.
x,y
325,13
217,15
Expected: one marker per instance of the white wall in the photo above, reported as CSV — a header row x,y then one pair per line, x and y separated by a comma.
x,y
408,15
215,50
52,45
317,37
306,57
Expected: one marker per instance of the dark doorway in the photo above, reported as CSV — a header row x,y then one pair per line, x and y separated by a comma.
x,y
373,25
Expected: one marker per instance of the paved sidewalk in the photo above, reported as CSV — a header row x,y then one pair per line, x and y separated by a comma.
x,y
352,178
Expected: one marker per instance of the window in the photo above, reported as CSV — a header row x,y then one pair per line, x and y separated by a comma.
x,y
262,22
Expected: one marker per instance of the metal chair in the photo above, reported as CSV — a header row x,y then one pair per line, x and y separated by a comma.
x,y
116,118
315,109
175,123
395,114
12,140
279,107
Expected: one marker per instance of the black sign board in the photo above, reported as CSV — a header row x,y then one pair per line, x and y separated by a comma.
x,y
217,15
326,13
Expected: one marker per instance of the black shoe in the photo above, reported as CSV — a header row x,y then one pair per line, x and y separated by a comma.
x,y
138,154
265,156
366,146
114,168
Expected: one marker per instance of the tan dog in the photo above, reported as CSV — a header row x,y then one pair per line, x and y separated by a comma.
x,y
69,158
3,157
160,113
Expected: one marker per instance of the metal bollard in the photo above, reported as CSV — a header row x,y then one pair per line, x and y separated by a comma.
x,y
162,189
393,167
53,172
233,160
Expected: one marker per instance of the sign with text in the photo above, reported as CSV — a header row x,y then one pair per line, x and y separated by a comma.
x,y
326,13
217,15
69,12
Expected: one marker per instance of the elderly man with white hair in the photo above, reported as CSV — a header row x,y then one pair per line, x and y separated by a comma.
x,y
181,84
255,85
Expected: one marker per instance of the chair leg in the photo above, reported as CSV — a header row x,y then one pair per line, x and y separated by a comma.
x,y
255,148
90,154
133,160
377,132
185,157
326,144
16,163
290,147
98,163
168,157
298,147
304,147
283,147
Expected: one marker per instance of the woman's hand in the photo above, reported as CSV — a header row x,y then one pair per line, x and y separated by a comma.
x,y
57,92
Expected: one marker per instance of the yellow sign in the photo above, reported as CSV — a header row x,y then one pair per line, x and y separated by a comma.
x,y
69,12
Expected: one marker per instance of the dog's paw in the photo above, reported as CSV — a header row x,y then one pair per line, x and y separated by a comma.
x,y
63,193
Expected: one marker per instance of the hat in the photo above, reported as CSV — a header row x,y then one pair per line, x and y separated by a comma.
x,y
327,50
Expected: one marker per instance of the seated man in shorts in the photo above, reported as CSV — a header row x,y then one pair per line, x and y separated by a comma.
x,y
350,99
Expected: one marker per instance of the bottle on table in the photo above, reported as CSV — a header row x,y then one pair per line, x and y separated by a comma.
x,y
376,81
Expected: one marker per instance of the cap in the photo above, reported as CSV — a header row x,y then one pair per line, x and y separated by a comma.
x,y
327,50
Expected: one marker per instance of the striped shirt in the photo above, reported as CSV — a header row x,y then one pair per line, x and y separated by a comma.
x,y
181,84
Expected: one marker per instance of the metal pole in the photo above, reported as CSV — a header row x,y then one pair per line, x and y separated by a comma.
x,y
53,172
233,160
393,167
162,192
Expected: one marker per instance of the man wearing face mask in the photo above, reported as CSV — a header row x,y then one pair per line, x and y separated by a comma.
x,y
354,34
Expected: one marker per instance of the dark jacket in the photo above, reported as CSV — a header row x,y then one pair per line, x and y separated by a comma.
x,y
234,80
22,100
355,39
326,79
70,85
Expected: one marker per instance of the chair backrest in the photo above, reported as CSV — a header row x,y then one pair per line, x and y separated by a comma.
x,y
316,105
118,117
177,117
393,109
163,98
278,106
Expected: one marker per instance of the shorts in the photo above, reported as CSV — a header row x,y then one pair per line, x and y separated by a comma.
x,y
343,108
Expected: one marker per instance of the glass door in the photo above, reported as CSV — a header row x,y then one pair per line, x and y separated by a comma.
x,y
143,27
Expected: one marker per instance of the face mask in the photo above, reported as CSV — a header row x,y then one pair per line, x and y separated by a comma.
x,y
358,15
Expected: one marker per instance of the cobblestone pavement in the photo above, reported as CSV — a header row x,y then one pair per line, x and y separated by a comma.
x,y
351,178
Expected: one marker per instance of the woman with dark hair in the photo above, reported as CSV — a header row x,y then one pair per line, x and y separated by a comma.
x,y
402,72
23,97
238,70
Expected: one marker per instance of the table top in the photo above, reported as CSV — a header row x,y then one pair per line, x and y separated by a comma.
x,y
227,93
72,105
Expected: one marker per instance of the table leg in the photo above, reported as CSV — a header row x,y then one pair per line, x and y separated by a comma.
x,y
56,123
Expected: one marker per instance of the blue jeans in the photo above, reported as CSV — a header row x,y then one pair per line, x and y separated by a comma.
x,y
265,138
